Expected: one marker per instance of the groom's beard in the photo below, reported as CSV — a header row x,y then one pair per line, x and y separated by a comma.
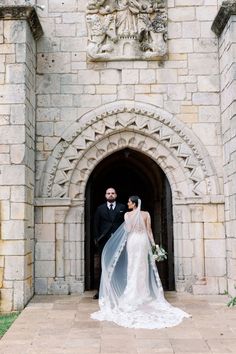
x,y
111,200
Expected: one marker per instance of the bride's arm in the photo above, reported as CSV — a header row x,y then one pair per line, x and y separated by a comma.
x,y
149,229
127,223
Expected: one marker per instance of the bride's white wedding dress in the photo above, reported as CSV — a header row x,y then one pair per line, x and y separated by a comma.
x,y
131,293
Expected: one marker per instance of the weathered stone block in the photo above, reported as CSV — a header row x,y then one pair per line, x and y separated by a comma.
x,y
73,44
109,77
125,92
188,248
13,175
209,114
58,6
17,154
18,211
48,83
203,64
181,45
12,93
147,76
176,92
45,232
215,267
167,76
206,99
54,63
15,31
207,132
44,251
87,77
19,194
208,83
87,101
205,45
5,209
41,286
13,230
15,73
44,269
59,287
6,299
45,128
191,29
154,99
130,76
215,248
208,14
65,30
4,192
181,14
174,30
106,89
14,267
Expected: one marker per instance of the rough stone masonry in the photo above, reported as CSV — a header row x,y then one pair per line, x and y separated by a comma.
x,y
83,79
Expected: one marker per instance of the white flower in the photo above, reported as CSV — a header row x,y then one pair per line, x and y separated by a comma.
x,y
159,254
155,257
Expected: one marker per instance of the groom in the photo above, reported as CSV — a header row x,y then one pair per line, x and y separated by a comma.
x,y
108,217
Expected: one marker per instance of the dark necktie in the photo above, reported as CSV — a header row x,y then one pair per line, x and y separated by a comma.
x,y
111,212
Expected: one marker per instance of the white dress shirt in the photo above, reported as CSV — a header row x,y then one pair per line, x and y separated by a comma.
x,y
113,205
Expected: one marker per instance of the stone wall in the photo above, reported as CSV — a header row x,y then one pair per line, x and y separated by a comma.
x,y
17,160
225,27
71,91
168,109
186,84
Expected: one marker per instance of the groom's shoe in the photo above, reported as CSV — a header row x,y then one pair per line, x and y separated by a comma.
x,y
95,297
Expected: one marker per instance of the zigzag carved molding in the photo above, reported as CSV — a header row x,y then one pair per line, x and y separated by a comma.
x,y
124,116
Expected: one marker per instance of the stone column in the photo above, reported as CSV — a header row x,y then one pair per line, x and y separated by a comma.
x,y
19,27
50,252
199,237
59,246
197,234
224,26
182,246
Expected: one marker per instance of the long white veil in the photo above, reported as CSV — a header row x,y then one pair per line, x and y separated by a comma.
x,y
140,312
115,263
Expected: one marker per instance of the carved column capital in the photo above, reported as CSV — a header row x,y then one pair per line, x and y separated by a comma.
x,y
227,9
27,13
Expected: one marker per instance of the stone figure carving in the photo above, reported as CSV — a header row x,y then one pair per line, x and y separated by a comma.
x,y
126,29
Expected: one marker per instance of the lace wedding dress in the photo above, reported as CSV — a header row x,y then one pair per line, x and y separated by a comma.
x,y
131,293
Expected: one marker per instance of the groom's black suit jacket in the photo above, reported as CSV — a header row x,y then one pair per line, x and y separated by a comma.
x,y
107,222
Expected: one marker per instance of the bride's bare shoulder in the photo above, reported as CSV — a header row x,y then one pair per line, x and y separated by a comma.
x,y
145,213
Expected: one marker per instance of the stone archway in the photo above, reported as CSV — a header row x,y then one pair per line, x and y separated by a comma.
x,y
155,133
131,172
141,126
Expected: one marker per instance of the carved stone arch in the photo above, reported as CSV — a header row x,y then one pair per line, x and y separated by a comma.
x,y
140,126
135,140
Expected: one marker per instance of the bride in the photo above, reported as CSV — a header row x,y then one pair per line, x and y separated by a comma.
x,y
131,293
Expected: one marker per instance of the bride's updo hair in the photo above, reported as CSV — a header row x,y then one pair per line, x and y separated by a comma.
x,y
134,199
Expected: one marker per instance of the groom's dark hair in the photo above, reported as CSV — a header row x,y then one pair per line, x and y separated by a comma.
x,y
134,199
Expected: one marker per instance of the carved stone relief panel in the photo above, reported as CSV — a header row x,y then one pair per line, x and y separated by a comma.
x,y
126,29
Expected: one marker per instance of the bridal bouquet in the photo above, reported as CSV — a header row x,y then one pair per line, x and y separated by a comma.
x,y
159,254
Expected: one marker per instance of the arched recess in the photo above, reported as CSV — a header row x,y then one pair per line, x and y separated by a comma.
x,y
145,129
141,126
131,172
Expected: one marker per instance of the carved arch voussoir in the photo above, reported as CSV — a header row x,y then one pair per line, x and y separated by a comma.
x,y
147,129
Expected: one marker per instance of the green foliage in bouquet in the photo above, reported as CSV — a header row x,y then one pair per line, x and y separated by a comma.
x,y
159,253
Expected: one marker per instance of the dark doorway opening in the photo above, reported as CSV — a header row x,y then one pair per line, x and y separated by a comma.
x,y
131,173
